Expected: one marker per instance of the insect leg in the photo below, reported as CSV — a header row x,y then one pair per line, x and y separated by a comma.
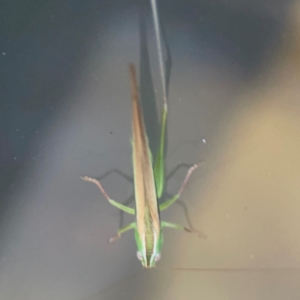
x,y
175,226
125,208
122,230
166,204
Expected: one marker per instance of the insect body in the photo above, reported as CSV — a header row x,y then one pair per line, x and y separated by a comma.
x,y
148,186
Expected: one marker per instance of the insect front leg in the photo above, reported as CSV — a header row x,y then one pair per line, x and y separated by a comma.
x,y
125,208
122,230
177,226
169,202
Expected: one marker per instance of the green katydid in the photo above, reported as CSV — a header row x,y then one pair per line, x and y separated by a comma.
x,y
149,181
148,186
148,177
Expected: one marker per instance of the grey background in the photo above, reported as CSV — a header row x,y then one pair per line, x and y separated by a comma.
x,y
65,112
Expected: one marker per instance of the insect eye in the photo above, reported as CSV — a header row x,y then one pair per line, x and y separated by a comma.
x,y
157,257
139,255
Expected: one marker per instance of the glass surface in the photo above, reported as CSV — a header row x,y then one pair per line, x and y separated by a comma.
x,y
66,111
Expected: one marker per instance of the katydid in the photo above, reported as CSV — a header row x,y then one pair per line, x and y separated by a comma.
x,y
149,181
148,176
148,186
